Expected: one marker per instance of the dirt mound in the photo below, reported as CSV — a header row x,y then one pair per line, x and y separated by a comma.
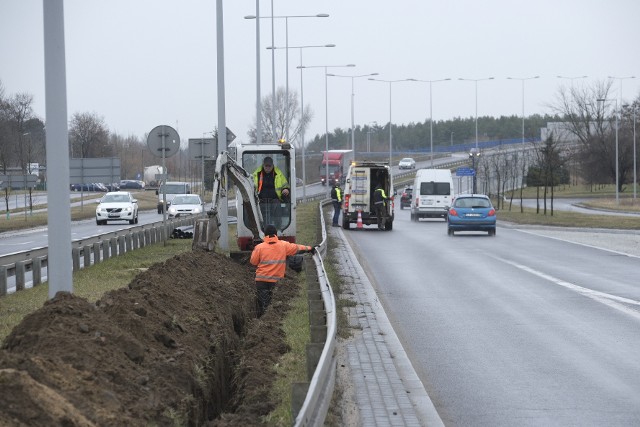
x,y
179,346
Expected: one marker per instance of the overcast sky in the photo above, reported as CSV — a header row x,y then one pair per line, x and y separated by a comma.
x,y
143,63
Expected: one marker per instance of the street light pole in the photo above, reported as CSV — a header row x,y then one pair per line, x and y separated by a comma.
x,y
635,177
476,83
353,132
474,154
326,111
273,84
617,173
617,112
390,121
522,80
430,108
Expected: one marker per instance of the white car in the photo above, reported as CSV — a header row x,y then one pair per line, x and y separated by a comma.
x,y
407,163
185,204
117,206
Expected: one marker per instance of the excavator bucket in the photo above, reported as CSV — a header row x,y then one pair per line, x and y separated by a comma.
x,y
206,233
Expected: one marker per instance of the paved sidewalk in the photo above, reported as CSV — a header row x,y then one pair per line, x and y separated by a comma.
x,y
386,389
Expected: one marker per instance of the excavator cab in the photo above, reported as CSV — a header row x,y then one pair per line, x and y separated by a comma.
x,y
277,209
254,209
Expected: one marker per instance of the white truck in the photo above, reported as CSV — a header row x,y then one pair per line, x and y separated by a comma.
x,y
361,182
149,177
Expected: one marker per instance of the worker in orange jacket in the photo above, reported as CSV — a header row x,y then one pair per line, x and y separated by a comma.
x,y
270,257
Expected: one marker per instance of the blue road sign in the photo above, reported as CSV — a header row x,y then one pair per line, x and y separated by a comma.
x,y
465,172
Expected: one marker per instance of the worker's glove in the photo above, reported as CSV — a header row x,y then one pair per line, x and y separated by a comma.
x,y
313,250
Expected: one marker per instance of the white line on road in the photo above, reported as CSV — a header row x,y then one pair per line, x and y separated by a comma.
x,y
612,301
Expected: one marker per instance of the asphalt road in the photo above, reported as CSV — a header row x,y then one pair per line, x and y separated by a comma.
x,y
517,329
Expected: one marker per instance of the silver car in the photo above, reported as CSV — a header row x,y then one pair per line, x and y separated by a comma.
x,y
407,163
117,206
185,204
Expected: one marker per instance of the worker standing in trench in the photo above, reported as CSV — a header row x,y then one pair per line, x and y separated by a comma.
x,y
270,258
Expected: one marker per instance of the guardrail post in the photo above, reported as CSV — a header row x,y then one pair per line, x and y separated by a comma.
x,y
299,392
105,250
86,252
36,271
121,244
113,247
96,253
3,280
75,258
128,242
20,275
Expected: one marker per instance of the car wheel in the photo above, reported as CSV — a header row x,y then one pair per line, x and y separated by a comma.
x,y
345,223
136,219
492,232
449,231
388,226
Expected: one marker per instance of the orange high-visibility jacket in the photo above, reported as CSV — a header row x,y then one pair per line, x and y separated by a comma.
x,y
270,257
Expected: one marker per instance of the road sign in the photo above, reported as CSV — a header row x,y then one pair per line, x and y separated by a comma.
x,y
163,141
202,148
94,169
464,171
230,136
17,182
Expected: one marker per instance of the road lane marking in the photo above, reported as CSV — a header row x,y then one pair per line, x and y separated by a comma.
x,y
610,300
567,240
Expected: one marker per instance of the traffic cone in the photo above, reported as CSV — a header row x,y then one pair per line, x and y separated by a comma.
x,y
359,222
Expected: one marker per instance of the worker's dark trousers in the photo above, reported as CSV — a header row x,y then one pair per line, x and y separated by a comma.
x,y
336,211
263,294
381,214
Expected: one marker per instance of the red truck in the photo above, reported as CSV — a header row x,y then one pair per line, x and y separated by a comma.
x,y
338,162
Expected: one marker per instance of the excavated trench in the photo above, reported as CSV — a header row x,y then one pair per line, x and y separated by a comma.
x,y
180,345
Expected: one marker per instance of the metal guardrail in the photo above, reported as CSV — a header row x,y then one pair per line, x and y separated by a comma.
x,y
90,250
316,404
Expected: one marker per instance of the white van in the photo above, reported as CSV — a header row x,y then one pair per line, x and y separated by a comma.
x,y
433,194
169,190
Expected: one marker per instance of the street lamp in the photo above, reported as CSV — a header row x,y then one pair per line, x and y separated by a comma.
x,y
304,172
353,132
572,78
473,155
273,70
390,134
430,108
523,79
476,82
635,178
326,110
616,113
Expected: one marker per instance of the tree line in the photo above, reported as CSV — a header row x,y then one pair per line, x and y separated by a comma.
x,y
584,145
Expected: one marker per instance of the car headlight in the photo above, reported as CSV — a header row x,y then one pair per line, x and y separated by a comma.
x,y
172,209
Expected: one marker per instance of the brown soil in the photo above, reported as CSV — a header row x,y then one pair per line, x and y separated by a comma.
x,y
180,345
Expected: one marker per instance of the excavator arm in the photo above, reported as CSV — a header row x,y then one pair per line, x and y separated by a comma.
x,y
207,231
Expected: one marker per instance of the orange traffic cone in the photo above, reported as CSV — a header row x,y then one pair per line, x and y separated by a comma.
x,y
359,222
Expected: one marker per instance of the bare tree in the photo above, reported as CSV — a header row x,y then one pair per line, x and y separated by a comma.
x,y
590,119
89,136
287,117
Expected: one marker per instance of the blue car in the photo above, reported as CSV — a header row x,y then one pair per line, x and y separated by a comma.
x,y
472,212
